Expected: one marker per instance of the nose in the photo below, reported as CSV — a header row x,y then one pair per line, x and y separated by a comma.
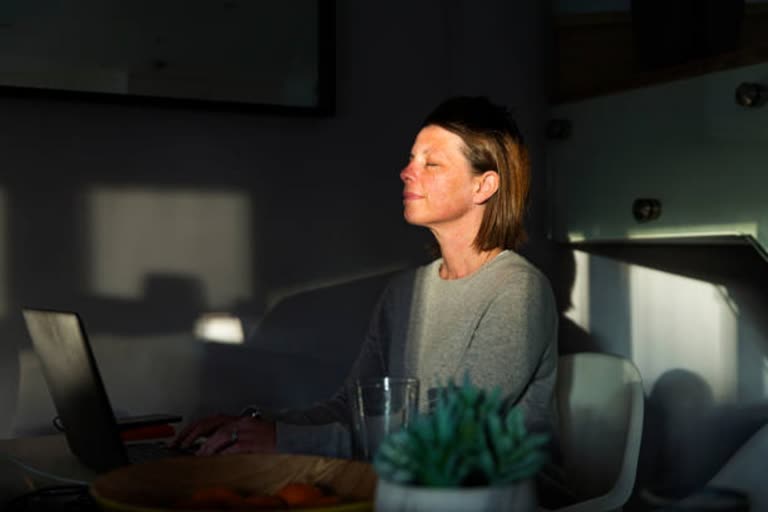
x,y
407,174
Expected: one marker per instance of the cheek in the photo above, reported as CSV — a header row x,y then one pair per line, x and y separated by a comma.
x,y
453,192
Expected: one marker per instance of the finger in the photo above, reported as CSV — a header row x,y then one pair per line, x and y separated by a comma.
x,y
238,447
251,439
183,434
191,435
216,443
200,429
244,445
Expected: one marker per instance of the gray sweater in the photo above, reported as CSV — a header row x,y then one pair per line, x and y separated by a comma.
x,y
499,324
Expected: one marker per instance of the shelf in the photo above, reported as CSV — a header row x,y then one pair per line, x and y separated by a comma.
x,y
723,259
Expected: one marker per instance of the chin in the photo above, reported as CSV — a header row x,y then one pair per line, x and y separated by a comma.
x,y
412,219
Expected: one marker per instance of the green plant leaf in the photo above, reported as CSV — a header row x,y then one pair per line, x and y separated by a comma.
x,y
469,439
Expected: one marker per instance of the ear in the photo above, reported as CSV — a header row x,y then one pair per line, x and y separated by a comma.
x,y
486,185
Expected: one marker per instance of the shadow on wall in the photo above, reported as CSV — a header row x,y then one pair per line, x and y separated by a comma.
x,y
170,303
558,263
751,301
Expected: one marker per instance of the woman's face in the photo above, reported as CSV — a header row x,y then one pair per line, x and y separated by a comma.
x,y
439,186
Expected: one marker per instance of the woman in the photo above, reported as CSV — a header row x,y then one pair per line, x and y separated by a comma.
x,y
479,308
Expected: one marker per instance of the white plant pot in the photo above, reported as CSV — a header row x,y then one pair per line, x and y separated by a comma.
x,y
517,497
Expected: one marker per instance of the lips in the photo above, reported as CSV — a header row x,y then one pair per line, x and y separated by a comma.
x,y
410,196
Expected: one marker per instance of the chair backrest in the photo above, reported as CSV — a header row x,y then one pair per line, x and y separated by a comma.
x,y
600,403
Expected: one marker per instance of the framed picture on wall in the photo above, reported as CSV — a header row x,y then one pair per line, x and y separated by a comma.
x,y
275,57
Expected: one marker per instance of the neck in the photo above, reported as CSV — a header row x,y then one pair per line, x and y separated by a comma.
x,y
460,262
460,257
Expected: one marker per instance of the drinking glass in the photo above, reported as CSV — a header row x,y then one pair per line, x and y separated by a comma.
x,y
380,407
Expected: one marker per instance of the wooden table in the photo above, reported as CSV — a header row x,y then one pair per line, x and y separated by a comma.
x,y
30,463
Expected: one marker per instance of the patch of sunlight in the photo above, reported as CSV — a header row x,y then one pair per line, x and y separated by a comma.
x,y
735,228
646,231
576,236
579,312
220,328
200,236
683,323
765,376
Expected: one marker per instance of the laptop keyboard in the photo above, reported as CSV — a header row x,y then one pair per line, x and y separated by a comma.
x,y
145,452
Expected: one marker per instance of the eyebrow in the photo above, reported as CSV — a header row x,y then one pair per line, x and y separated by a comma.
x,y
439,154
432,151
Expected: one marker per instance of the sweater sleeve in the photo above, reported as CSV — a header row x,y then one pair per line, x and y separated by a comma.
x,y
323,428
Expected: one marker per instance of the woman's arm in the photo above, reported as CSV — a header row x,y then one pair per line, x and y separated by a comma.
x,y
320,429
323,428
370,362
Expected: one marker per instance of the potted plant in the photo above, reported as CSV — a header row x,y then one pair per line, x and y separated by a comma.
x,y
471,453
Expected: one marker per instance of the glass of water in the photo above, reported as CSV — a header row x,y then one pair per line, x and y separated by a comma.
x,y
380,407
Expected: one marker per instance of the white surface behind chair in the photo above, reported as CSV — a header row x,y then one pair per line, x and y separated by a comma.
x,y
601,403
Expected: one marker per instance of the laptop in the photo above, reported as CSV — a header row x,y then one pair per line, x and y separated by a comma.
x,y
78,393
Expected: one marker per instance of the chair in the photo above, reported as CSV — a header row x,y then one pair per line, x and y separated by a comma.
x,y
600,404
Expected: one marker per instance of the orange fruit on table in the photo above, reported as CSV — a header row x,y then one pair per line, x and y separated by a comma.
x,y
299,494
212,497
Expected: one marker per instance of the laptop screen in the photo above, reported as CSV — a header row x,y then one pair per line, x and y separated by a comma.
x,y
78,393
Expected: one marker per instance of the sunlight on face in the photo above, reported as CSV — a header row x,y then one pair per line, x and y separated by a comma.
x,y
438,180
